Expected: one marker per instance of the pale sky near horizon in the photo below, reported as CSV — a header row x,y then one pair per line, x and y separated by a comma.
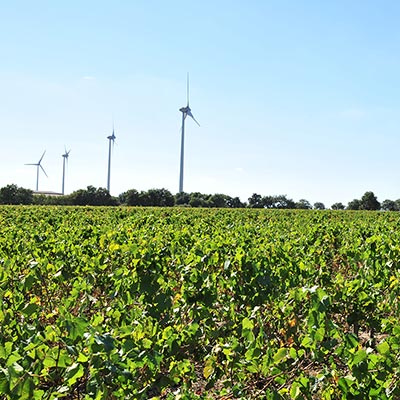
x,y
293,97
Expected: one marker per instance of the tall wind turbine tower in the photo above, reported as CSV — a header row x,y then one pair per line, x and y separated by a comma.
x,y
38,164
65,159
185,112
110,138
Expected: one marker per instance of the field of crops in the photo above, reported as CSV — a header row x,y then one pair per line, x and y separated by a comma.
x,y
120,303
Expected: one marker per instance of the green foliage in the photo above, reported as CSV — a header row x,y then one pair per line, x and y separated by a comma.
x,y
354,205
12,194
389,205
337,206
303,204
279,202
370,202
92,196
133,303
319,206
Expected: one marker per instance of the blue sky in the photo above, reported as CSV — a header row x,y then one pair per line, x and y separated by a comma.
x,y
293,97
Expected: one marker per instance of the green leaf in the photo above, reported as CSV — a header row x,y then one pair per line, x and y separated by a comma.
x,y
77,328
64,359
5,350
306,342
13,358
253,353
295,390
38,394
209,367
280,354
49,361
319,334
27,387
15,368
4,381
29,281
167,332
359,357
29,309
293,353
106,340
247,324
147,343
73,373
383,348
82,358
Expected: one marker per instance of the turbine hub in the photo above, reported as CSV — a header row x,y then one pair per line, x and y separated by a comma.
x,y
185,109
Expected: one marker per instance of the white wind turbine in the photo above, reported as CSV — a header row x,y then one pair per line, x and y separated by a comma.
x,y
110,138
186,111
65,160
38,164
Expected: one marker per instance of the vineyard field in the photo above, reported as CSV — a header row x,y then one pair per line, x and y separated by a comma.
x,y
180,303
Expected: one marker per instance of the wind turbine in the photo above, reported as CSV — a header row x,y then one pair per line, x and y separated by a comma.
x,y
38,164
186,111
65,159
110,138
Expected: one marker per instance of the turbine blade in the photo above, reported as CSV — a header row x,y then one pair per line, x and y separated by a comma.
x,y
31,164
187,89
41,158
193,118
43,169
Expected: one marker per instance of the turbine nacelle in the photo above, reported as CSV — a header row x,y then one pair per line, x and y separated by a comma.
x,y
188,112
112,137
66,154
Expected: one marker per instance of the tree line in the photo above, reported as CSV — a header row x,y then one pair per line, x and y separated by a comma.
x,y
92,196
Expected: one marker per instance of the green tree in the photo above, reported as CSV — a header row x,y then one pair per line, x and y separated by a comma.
x,y
92,196
256,201
389,205
354,205
198,199
303,204
12,194
338,206
234,202
130,197
282,202
268,201
369,202
319,206
219,200
182,198
159,198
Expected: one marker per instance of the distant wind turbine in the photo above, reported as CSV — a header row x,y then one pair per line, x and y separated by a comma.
x,y
185,112
110,138
65,159
38,164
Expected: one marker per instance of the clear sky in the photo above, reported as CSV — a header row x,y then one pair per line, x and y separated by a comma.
x,y
293,97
